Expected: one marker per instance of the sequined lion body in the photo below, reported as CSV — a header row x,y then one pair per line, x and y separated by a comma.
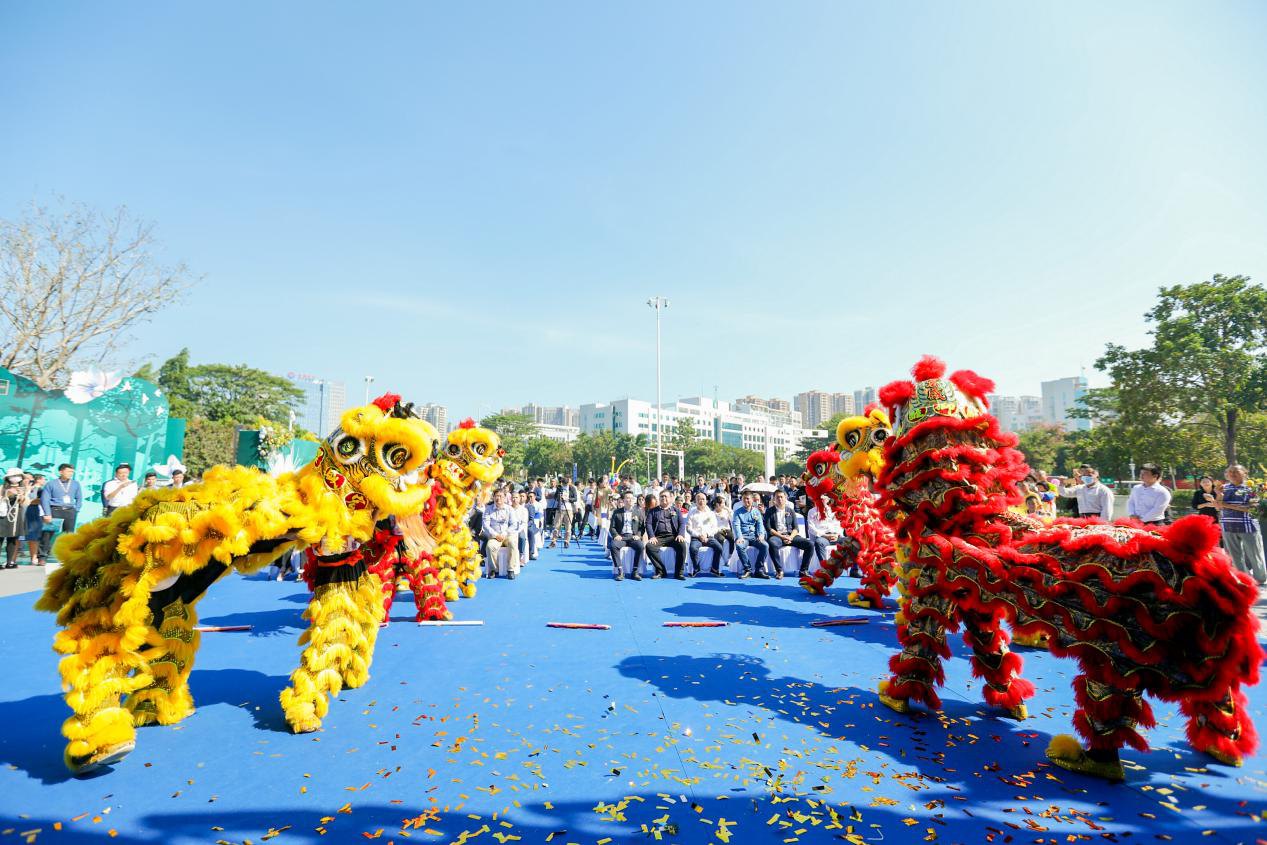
x,y
1142,610
471,457
126,592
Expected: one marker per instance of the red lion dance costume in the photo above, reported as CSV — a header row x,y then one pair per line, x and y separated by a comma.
x,y
868,544
1142,610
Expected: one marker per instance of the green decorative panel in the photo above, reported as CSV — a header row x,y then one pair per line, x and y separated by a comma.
x,y
126,423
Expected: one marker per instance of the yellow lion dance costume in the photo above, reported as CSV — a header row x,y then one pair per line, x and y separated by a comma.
x,y
471,456
126,592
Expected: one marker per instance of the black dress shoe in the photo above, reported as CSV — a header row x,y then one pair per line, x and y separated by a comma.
x,y
678,576
855,573
717,573
761,575
657,576
635,577
801,573
744,574
778,573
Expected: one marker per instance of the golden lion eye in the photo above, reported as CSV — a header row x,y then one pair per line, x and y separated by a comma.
x,y
396,456
348,449
454,449
479,449
818,469
851,438
879,436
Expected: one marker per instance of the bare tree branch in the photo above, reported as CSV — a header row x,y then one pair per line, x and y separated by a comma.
x,y
73,282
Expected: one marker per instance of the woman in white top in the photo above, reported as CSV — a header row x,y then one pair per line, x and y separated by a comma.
x,y
701,526
721,512
519,524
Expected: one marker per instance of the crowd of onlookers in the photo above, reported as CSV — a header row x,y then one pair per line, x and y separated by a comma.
x,y
34,508
756,519
1233,505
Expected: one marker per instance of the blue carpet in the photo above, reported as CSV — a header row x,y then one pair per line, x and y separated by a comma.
x,y
762,731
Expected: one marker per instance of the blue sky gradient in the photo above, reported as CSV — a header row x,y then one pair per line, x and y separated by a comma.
x,y
472,202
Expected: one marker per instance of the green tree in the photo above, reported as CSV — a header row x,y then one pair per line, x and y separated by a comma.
x,y
789,468
682,435
208,443
514,430
543,456
238,393
1207,366
1041,445
712,459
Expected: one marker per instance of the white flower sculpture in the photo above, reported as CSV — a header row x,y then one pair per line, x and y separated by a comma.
x,y
165,470
281,463
86,385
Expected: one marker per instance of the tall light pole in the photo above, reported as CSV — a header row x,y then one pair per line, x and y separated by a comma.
x,y
368,379
659,303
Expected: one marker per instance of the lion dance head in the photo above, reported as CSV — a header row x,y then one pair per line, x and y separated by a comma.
x,y
373,458
471,454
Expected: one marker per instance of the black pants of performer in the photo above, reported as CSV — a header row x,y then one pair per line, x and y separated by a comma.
x,y
797,542
653,553
763,552
615,544
719,553
585,522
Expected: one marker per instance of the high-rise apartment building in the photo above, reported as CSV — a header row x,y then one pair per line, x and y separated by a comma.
x,y
815,407
437,415
322,405
1060,396
863,398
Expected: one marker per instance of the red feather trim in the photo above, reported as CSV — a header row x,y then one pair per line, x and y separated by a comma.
x,y
467,423
972,384
928,367
386,402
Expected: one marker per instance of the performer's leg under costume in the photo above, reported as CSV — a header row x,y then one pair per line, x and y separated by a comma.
x,y
993,662
918,670
344,616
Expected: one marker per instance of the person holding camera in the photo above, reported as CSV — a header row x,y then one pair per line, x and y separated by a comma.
x,y
14,497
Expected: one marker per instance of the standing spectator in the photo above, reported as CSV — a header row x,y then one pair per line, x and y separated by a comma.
x,y
665,528
1149,499
589,522
34,518
62,498
748,526
564,491
120,491
628,530
1237,504
1205,498
780,525
498,532
150,481
724,535
14,497
534,524
552,507
178,477
701,527
1094,499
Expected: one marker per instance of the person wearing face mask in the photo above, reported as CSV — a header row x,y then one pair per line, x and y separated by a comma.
x,y
1094,499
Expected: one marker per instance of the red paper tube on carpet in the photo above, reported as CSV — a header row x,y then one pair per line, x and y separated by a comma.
x,y
218,628
578,625
831,623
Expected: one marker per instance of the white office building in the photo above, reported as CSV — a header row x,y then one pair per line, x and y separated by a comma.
x,y
1059,398
1016,413
766,431
437,415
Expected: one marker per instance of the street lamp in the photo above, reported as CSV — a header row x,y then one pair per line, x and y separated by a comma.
x,y
659,303
368,379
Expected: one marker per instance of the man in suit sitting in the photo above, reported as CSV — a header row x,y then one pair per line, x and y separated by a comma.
x,y
665,528
628,529
780,526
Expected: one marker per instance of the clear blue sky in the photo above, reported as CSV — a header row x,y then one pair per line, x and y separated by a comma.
x,y
472,202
